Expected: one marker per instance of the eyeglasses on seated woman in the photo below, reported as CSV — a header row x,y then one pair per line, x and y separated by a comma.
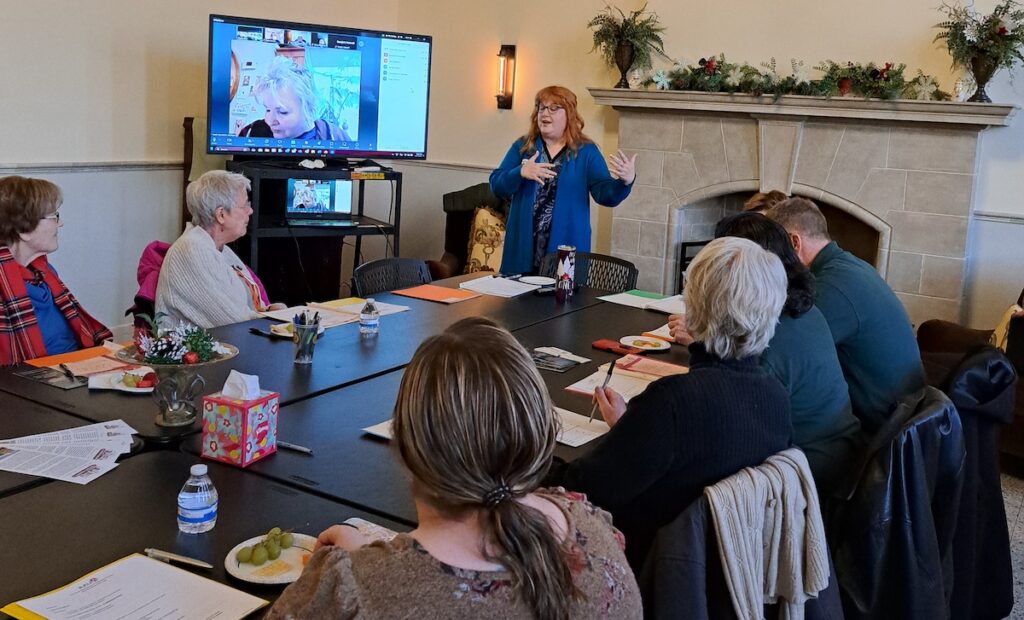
x,y
38,314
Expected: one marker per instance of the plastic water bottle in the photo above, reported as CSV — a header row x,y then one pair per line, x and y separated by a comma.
x,y
197,503
369,320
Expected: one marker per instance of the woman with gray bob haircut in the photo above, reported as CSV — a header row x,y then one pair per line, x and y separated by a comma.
x,y
688,431
201,280
734,293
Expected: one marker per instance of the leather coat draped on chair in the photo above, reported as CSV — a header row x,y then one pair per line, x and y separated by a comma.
x,y
982,388
892,540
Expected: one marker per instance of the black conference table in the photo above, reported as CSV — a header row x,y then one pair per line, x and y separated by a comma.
x,y
59,532
20,417
351,466
342,357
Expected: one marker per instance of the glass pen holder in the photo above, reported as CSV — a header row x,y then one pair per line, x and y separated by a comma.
x,y
305,337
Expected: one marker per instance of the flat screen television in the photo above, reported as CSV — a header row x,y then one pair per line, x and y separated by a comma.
x,y
282,89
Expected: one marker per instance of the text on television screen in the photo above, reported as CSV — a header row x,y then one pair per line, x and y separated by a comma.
x,y
285,89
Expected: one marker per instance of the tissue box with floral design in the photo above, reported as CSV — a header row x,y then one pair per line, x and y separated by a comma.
x,y
238,431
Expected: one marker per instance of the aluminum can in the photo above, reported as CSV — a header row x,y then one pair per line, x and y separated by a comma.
x,y
566,274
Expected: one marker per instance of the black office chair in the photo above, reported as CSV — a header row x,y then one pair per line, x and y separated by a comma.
x,y
388,274
597,271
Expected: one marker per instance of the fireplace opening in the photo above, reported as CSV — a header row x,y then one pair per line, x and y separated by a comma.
x,y
695,226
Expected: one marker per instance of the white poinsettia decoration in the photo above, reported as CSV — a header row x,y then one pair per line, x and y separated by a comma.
x,y
681,63
734,77
660,79
801,73
926,87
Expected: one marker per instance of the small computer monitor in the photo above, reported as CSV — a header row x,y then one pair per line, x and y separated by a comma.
x,y
315,199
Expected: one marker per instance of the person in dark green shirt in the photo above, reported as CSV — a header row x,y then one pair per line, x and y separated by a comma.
x,y
871,330
802,356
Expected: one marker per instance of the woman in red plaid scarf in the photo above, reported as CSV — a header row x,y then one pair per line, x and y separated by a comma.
x,y
38,315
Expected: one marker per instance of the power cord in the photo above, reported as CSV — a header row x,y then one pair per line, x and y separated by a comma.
x,y
298,255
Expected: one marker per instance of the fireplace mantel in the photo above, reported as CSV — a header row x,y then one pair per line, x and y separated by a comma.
x,y
905,169
845,109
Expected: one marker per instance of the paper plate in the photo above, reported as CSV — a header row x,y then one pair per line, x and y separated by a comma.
x,y
538,280
646,343
285,569
113,381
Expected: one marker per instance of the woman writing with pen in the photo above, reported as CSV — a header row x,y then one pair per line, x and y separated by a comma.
x,y
685,432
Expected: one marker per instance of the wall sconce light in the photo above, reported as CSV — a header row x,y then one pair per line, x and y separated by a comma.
x,y
506,76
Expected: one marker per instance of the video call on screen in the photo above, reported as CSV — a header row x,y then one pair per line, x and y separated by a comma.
x,y
345,92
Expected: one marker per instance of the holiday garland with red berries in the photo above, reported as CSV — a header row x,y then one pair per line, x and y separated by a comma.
x,y
715,74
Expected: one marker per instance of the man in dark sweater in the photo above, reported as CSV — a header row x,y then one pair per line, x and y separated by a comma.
x,y
873,335
689,431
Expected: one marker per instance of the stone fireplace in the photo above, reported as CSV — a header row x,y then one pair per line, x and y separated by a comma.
x,y
895,179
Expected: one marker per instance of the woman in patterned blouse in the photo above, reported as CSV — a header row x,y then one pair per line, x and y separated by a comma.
x,y
475,427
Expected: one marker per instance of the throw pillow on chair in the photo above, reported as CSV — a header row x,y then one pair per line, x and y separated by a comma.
x,y
486,240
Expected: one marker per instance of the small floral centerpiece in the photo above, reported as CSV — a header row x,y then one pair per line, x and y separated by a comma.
x,y
185,344
983,44
177,355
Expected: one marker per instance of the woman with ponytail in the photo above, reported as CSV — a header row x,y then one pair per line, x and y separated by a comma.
x,y
475,428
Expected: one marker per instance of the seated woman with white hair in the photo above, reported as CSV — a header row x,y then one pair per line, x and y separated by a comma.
x,y
201,280
689,431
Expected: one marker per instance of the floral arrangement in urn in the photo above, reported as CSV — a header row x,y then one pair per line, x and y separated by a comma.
x,y
983,44
627,41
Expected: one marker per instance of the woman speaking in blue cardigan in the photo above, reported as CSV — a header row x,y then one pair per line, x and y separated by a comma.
x,y
548,173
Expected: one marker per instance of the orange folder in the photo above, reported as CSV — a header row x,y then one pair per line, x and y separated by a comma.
x,y
67,358
431,292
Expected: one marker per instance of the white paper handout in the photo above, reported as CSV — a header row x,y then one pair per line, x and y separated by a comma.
x,y
576,429
648,301
499,287
382,430
383,309
579,429
56,466
563,354
139,587
78,455
625,383
328,318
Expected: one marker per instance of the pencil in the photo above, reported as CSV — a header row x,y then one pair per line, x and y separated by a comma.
x,y
607,378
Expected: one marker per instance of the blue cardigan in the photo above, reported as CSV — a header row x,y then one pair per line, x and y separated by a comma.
x,y
582,172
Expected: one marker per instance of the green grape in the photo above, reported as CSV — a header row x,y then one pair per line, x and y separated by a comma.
x,y
287,540
275,531
273,550
259,555
244,555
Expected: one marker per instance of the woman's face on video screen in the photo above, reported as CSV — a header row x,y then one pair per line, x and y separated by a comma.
x,y
283,114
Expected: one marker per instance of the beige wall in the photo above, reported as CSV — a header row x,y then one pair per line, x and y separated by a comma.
x,y
553,46
110,80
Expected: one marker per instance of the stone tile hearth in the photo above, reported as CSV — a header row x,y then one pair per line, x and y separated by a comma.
x,y
905,169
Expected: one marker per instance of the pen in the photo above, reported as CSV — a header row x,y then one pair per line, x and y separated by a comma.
x,y
259,332
294,447
68,373
167,556
607,378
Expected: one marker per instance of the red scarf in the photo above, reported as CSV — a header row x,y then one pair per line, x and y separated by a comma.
x,y
20,337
